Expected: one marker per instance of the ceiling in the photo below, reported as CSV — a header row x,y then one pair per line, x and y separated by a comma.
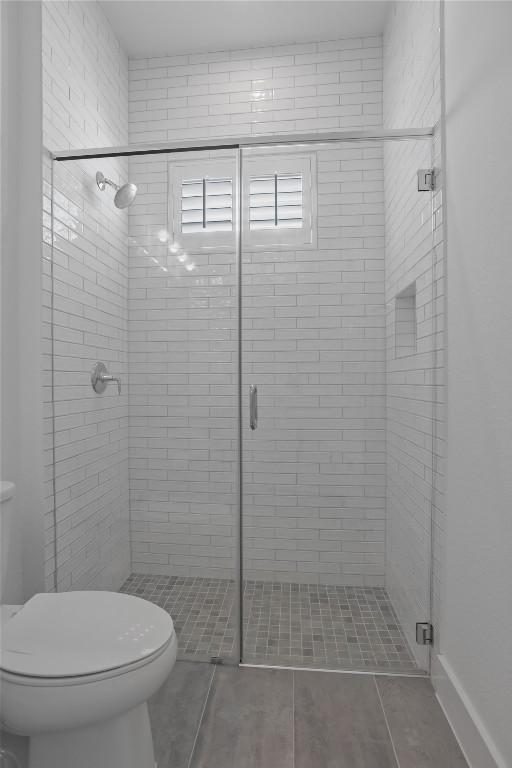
x,y
171,27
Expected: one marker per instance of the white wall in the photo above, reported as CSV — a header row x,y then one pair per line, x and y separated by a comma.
x,y
20,279
313,332
477,617
85,77
21,447
414,257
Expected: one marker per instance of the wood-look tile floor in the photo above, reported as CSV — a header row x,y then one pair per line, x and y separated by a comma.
x,y
224,717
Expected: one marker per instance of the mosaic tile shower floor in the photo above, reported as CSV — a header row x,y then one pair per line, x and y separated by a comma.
x,y
310,625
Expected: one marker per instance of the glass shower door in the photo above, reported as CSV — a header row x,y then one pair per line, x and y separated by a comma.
x,y
183,395
337,335
318,362
146,478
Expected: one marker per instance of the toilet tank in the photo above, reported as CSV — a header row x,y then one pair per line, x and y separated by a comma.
x,y
6,537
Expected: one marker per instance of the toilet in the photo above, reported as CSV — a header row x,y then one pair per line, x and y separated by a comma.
x,y
76,671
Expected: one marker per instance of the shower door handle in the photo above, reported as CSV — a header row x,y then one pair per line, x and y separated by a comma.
x,y
253,406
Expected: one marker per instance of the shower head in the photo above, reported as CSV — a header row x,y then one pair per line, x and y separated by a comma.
x,y
124,196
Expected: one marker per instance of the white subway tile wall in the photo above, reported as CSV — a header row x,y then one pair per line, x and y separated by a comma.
x,y
290,88
414,253
313,340
85,105
183,390
313,333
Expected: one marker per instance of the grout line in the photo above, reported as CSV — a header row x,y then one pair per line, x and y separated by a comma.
x,y
386,721
202,717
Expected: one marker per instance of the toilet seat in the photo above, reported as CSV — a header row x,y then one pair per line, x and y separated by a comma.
x,y
39,681
55,639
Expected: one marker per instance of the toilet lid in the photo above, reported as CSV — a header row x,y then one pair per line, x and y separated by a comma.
x,y
82,633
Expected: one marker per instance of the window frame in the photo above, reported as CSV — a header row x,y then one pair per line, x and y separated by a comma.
x,y
283,164
185,170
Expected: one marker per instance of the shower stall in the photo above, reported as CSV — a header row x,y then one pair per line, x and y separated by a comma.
x,y
267,470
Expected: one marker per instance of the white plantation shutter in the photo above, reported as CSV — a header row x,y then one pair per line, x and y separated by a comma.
x,y
202,212
275,201
279,200
206,205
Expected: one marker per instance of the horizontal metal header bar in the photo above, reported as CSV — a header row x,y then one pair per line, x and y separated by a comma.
x,y
243,142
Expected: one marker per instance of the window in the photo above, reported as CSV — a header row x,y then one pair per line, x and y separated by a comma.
x,y
280,195
279,202
201,201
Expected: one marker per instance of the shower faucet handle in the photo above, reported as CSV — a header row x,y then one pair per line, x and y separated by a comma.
x,y
106,377
100,377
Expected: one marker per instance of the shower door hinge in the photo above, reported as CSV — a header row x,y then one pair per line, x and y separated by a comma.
x,y
424,633
426,180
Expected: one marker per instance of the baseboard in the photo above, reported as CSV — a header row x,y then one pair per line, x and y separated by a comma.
x,y
474,739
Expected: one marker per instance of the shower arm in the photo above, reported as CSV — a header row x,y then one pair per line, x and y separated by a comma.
x,y
104,181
